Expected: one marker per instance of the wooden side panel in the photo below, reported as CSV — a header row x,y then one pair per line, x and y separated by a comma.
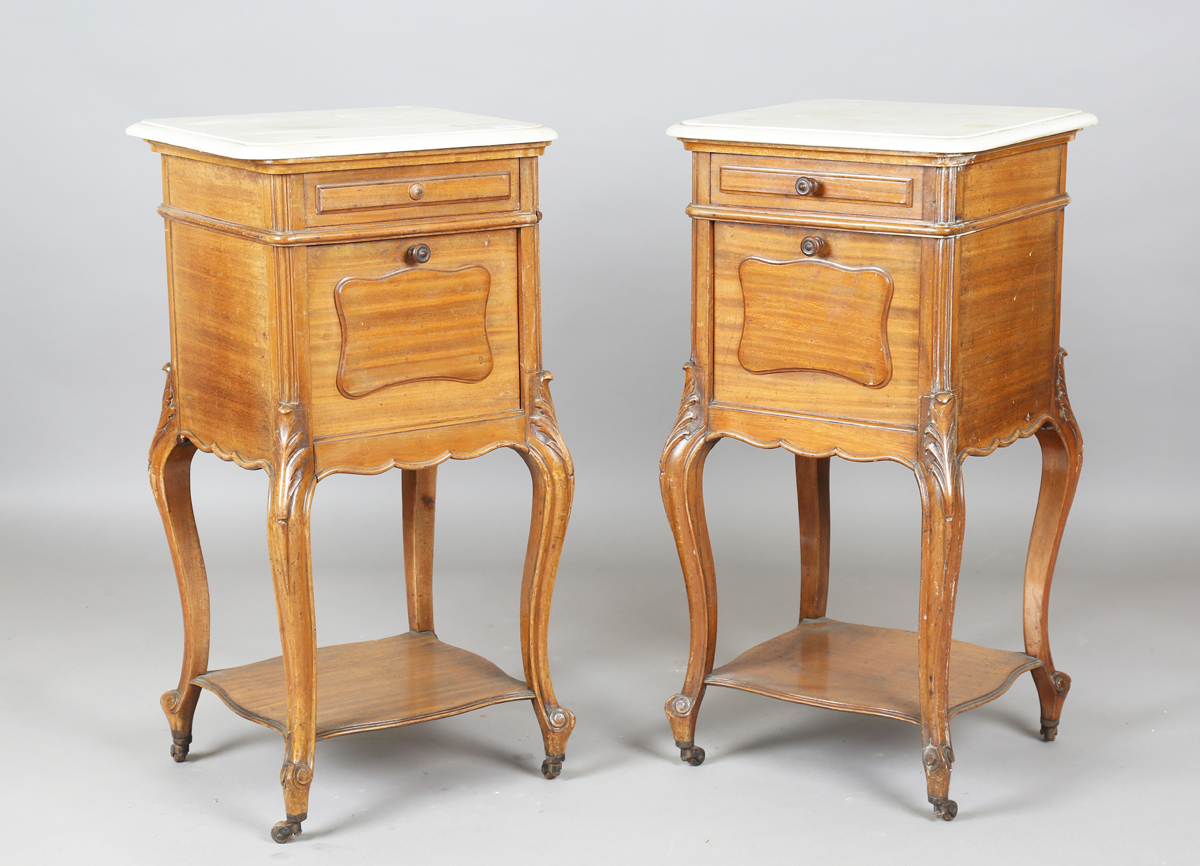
x,y
223,365
386,398
219,191
1008,279
820,393
1006,182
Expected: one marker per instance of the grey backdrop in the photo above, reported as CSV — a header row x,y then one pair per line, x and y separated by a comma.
x,y
89,623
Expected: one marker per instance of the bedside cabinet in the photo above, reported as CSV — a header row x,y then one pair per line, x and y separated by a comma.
x,y
354,291
876,281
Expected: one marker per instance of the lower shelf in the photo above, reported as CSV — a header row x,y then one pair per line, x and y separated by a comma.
x,y
862,669
375,684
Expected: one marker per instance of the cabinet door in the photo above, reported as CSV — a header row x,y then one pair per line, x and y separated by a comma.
x,y
396,345
832,335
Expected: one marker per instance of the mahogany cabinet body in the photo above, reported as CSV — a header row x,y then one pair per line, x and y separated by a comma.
x,y
356,314
875,305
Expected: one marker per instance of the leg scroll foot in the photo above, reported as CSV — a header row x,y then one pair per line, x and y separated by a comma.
x,y
1054,687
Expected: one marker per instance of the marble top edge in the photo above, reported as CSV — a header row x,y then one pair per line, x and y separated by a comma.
x,y
872,125
346,132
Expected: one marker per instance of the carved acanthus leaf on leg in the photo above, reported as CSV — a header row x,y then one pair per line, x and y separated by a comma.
x,y
1060,389
690,420
167,427
939,446
294,459
542,421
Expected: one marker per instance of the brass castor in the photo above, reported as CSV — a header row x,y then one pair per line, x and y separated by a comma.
x,y
693,755
179,748
1049,730
285,830
552,766
944,808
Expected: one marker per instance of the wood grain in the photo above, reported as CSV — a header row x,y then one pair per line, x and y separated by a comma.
x,y
865,669
812,497
308,340
371,685
419,505
221,309
804,354
815,392
844,187
1007,299
1011,179
419,402
411,325
374,195
814,316
232,194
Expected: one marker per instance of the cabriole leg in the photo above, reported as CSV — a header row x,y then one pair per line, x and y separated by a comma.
x,y
940,481
170,478
553,476
681,479
291,567
1062,460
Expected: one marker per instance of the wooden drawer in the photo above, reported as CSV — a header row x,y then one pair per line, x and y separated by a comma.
x,y
394,346
832,336
851,188
380,195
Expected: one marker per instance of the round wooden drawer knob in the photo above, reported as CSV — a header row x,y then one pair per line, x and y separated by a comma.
x,y
416,191
806,186
418,254
813,246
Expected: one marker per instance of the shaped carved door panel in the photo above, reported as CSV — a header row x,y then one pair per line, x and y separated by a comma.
x,y
830,335
396,345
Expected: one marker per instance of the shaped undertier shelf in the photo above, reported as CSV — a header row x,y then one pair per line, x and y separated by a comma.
x,y
863,669
371,685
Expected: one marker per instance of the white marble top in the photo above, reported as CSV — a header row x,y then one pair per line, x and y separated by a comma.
x,y
915,127
304,134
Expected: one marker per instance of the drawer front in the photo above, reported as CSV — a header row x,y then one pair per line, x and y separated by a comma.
x,y
395,346
379,195
832,335
818,186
